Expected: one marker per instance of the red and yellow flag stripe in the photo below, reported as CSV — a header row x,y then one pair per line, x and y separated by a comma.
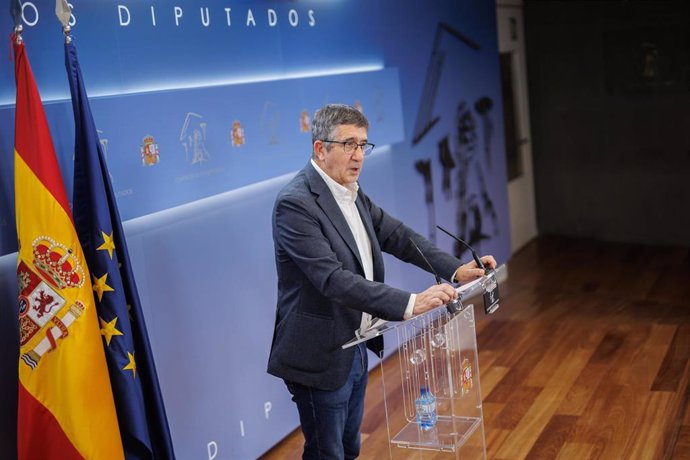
x,y
66,407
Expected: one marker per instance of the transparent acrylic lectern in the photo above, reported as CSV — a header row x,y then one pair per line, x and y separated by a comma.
x,y
437,355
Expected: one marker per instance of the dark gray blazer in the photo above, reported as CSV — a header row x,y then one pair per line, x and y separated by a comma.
x,y
322,290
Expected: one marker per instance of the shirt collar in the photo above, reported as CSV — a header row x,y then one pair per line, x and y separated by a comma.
x,y
340,192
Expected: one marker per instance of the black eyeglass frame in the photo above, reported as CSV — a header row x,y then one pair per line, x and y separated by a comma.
x,y
367,147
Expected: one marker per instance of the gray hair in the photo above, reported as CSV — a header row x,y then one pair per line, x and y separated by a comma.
x,y
330,116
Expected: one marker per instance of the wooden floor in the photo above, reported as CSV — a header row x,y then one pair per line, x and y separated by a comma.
x,y
587,358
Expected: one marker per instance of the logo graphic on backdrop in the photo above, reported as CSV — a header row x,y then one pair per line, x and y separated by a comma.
x,y
426,119
475,204
55,268
461,149
304,121
237,134
193,138
150,154
358,106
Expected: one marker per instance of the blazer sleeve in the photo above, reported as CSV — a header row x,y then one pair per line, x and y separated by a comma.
x,y
394,238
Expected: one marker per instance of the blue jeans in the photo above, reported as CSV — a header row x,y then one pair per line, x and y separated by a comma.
x,y
330,420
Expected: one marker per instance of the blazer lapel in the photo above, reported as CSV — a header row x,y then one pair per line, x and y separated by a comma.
x,y
327,203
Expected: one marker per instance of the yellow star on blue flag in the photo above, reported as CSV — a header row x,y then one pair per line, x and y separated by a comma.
x,y
100,286
108,243
131,365
108,329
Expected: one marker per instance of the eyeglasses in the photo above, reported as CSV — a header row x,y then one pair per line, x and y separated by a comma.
x,y
349,147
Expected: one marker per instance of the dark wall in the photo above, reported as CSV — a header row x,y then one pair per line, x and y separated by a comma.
x,y
609,85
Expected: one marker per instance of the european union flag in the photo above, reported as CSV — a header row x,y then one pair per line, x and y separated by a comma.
x,y
140,410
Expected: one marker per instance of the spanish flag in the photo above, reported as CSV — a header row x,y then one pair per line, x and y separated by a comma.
x,y
65,408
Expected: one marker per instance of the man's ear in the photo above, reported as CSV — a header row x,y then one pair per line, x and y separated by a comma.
x,y
319,149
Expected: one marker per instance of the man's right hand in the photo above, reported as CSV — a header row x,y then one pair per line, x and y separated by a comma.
x,y
436,295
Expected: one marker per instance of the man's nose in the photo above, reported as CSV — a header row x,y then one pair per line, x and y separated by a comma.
x,y
358,153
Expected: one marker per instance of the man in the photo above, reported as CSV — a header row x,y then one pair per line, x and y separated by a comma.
x,y
329,237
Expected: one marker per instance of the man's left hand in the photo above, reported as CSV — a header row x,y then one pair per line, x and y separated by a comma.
x,y
471,271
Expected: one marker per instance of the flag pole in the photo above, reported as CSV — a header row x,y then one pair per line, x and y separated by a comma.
x,y
16,13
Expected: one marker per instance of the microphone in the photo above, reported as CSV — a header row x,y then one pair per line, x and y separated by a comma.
x,y
491,297
454,305
474,254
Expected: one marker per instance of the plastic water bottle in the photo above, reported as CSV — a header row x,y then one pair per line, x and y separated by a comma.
x,y
425,407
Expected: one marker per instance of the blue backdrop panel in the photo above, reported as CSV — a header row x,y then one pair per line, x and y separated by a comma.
x,y
201,107
180,146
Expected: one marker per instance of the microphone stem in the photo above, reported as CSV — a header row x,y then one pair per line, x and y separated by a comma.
x,y
474,254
